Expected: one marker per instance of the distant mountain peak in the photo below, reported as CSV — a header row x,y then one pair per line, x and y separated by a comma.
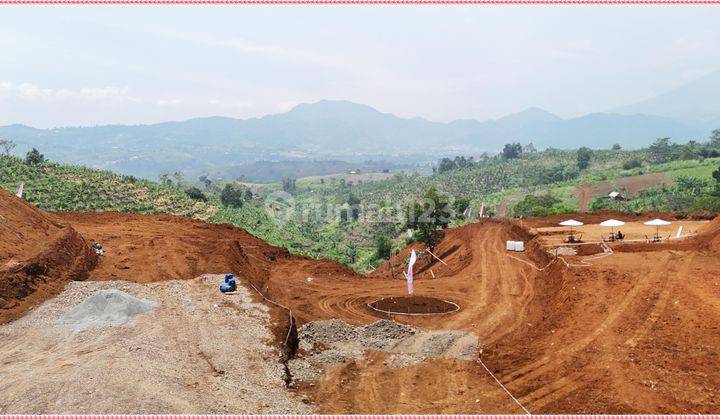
x,y
531,115
332,108
696,102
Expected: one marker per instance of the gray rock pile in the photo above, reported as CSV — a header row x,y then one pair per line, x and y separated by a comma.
x,y
334,341
105,307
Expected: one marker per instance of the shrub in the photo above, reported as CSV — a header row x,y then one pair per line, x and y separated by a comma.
x,y
631,164
195,194
536,205
231,196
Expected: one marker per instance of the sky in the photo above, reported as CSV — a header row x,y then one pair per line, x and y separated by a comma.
x,y
122,65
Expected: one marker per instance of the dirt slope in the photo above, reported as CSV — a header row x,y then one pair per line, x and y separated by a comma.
x,y
162,247
39,254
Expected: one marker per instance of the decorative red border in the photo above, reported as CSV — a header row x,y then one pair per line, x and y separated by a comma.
x,y
363,417
361,2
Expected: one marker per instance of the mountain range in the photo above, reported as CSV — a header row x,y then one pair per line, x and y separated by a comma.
x,y
343,130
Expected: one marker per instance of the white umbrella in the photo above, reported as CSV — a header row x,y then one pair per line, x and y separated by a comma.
x,y
612,223
571,223
657,223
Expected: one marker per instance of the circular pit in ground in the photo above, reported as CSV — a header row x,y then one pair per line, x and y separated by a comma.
x,y
414,305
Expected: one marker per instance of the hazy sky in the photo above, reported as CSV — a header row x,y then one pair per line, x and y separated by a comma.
x,y
86,66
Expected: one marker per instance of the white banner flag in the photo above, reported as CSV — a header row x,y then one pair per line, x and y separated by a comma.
x,y
409,275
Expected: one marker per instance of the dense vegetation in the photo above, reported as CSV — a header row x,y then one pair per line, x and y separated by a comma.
x,y
56,187
362,223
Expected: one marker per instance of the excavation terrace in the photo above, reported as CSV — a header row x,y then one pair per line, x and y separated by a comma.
x,y
630,328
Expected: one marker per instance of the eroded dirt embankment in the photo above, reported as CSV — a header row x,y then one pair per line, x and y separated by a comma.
x,y
39,255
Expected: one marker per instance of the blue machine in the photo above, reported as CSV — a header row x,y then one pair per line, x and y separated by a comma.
x,y
229,285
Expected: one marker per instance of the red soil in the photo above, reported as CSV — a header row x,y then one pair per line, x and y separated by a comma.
x,y
39,254
635,332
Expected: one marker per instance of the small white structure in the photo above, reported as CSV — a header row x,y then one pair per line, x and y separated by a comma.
x,y
616,196
517,246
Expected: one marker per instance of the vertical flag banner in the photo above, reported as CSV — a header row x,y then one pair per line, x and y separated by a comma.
x,y
21,190
409,275
482,211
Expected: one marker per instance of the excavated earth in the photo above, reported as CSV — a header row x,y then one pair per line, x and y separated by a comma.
x,y
636,331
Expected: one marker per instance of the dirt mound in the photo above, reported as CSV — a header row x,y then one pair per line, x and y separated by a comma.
x,y
105,307
144,248
335,342
709,237
39,254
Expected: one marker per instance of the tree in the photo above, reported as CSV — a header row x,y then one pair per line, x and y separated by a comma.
x,y
164,177
460,205
716,175
447,164
512,150
288,185
583,157
383,248
427,215
195,194
660,151
206,181
616,146
715,138
248,195
7,145
529,148
178,176
354,205
231,196
34,157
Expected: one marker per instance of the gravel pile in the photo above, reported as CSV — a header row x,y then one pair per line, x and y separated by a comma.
x,y
199,351
562,250
325,332
383,334
109,307
332,342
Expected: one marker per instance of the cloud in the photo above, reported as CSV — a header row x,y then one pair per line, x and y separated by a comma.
x,y
31,92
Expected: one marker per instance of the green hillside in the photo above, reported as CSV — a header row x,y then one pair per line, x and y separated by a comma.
x,y
55,187
342,217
